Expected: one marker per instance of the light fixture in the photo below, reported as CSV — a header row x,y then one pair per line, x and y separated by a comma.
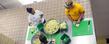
x,y
38,0
25,2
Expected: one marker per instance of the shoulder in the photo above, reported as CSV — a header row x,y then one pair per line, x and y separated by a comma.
x,y
29,15
66,9
38,12
77,4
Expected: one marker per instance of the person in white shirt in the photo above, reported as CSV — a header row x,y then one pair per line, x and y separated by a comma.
x,y
35,16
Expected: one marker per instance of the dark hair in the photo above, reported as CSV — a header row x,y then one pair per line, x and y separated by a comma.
x,y
29,10
70,3
43,39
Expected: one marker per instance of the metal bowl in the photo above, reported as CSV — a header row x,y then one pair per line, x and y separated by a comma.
x,y
35,39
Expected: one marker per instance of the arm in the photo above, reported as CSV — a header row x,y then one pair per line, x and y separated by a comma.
x,y
81,13
81,16
29,21
67,14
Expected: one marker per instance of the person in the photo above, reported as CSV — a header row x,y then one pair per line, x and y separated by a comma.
x,y
43,39
35,16
74,11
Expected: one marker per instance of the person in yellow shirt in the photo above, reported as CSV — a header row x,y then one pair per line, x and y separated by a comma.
x,y
74,11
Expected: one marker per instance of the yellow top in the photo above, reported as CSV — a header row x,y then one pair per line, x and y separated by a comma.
x,y
74,12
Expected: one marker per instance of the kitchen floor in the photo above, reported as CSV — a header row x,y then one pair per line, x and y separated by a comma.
x,y
14,22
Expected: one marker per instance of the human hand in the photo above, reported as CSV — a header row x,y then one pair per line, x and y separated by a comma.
x,y
78,21
39,20
30,24
77,25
